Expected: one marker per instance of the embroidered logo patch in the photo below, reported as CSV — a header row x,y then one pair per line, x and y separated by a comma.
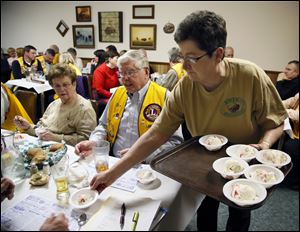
x,y
151,112
233,106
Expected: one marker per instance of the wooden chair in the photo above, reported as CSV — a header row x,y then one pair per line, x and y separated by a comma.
x,y
29,101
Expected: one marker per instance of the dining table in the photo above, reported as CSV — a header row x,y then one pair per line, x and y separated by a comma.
x,y
180,202
39,86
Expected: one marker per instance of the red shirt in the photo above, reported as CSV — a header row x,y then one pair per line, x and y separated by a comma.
x,y
104,79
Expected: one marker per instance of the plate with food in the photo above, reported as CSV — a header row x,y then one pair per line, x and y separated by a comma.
x,y
52,153
83,198
273,157
265,175
243,151
244,192
213,142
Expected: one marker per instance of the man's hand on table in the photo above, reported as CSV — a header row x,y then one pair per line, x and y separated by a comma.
x,y
84,148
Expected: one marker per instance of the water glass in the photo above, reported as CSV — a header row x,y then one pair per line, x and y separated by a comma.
x,y
101,155
59,173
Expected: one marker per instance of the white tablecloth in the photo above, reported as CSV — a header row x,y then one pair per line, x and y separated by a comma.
x,y
38,87
181,202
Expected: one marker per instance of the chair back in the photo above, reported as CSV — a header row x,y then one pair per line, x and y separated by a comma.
x,y
82,86
29,101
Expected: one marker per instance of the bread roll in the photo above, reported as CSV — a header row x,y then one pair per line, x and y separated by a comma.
x,y
35,151
56,146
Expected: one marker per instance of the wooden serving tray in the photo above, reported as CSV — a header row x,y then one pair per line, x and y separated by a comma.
x,y
191,164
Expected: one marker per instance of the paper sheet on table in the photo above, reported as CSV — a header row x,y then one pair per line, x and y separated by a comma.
x,y
127,181
30,213
108,216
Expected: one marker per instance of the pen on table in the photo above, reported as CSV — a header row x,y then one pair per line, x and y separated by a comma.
x,y
135,220
122,218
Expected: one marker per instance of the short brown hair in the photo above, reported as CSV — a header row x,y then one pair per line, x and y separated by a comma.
x,y
61,70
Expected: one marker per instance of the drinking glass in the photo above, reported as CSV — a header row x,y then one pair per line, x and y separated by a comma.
x,y
59,173
101,155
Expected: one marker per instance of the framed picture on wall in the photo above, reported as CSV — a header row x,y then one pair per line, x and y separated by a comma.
x,y
62,28
83,36
110,26
143,36
143,11
83,14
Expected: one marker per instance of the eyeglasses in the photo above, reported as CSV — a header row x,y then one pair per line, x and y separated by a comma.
x,y
193,60
129,73
64,86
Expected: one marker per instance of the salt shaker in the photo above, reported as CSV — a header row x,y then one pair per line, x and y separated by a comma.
x,y
46,168
34,168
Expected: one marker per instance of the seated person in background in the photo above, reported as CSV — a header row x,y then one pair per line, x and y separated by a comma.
x,y
131,110
5,68
27,61
105,77
122,52
53,223
111,48
100,57
46,60
11,52
66,58
176,71
288,81
291,144
57,54
70,118
10,107
229,52
20,52
145,54
78,61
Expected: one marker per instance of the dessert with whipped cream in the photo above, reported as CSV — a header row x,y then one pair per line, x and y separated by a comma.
x,y
243,192
246,152
232,167
274,157
263,175
214,140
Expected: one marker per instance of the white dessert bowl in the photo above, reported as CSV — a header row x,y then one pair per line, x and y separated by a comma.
x,y
260,193
242,151
265,175
230,168
145,176
213,142
273,158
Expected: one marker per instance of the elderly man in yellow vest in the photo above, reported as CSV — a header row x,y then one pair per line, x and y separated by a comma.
x,y
46,60
176,71
27,62
131,110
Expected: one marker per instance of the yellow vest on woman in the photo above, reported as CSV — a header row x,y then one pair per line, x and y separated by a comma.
x,y
23,66
179,70
15,108
152,105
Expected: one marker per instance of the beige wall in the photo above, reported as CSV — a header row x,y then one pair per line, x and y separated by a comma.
x,y
266,33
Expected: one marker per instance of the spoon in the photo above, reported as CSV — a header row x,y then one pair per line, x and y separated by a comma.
x,y
81,220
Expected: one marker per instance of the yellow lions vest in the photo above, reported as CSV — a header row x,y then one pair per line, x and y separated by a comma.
x,y
15,108
43,63
23,66
152,105
179,70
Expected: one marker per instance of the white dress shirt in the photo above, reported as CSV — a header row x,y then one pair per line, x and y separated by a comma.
x,y
128,132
